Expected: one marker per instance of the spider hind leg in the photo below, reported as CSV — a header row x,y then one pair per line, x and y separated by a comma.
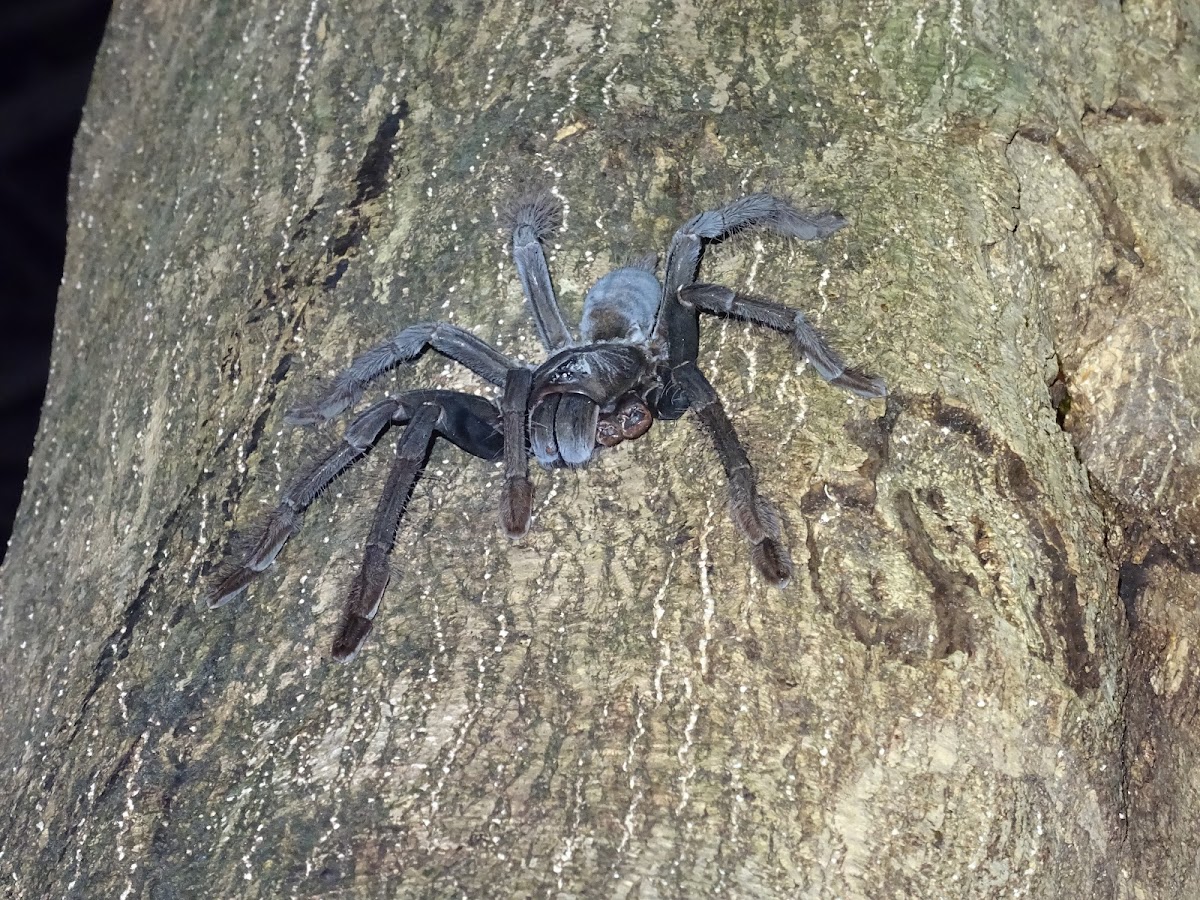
x,y
262,548
405,347
284,521
362,603
469,422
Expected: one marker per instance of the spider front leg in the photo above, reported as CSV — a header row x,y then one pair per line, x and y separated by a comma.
x,y
754,516
677,326
562,430
533,220
806,340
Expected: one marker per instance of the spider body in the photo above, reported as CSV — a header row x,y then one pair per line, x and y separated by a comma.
x,y
635,361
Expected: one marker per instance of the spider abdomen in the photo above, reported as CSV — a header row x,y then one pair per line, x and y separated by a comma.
x,y
621,306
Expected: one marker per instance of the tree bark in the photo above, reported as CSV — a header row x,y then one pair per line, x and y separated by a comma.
x,y
981,681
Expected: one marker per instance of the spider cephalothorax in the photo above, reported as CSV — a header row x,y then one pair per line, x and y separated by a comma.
x,y
634,362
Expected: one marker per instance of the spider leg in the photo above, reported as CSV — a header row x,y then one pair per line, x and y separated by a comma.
x,y
533,220
367,590
516,499
562,431
449,340
754,516
677,327
468,421
284,520
806,340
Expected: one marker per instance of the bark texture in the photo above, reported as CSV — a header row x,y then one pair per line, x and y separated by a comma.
x,y
982,682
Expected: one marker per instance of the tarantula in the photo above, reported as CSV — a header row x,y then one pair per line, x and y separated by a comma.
x,y
634,362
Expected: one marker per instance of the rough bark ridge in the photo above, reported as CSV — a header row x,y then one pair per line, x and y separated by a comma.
x,y
983,683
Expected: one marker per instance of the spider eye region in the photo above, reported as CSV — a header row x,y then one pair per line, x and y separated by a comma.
x,y
568,373
601,372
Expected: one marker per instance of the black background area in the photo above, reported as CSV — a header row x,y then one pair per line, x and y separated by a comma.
x,y
47,49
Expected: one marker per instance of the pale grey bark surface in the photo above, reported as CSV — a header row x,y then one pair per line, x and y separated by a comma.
x,y
982,681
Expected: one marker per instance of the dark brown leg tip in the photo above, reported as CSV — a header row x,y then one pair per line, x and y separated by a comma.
x,y
516,508
347,644
229,587
868,387
773,562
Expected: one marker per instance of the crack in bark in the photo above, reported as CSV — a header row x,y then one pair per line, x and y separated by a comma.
x,y
1079,159
955,630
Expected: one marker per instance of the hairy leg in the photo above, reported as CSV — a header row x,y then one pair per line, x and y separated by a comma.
x,y
806,340
284,520
362,603
516,499
449,340
754,516
677,326
534,220
470,422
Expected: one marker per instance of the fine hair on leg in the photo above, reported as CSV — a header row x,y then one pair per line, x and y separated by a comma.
x,y
366,592
806,340
753,515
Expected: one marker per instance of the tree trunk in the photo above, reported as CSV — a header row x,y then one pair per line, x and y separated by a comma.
x,y
949,700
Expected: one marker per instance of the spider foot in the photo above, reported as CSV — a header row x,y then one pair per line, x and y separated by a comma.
x,y
758,520
829,364
535,216
350,639
228,586
516,507
362,603
772,562
326,403
262,548
869,387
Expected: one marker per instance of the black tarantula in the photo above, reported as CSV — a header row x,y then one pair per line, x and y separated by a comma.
x,y
634,362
